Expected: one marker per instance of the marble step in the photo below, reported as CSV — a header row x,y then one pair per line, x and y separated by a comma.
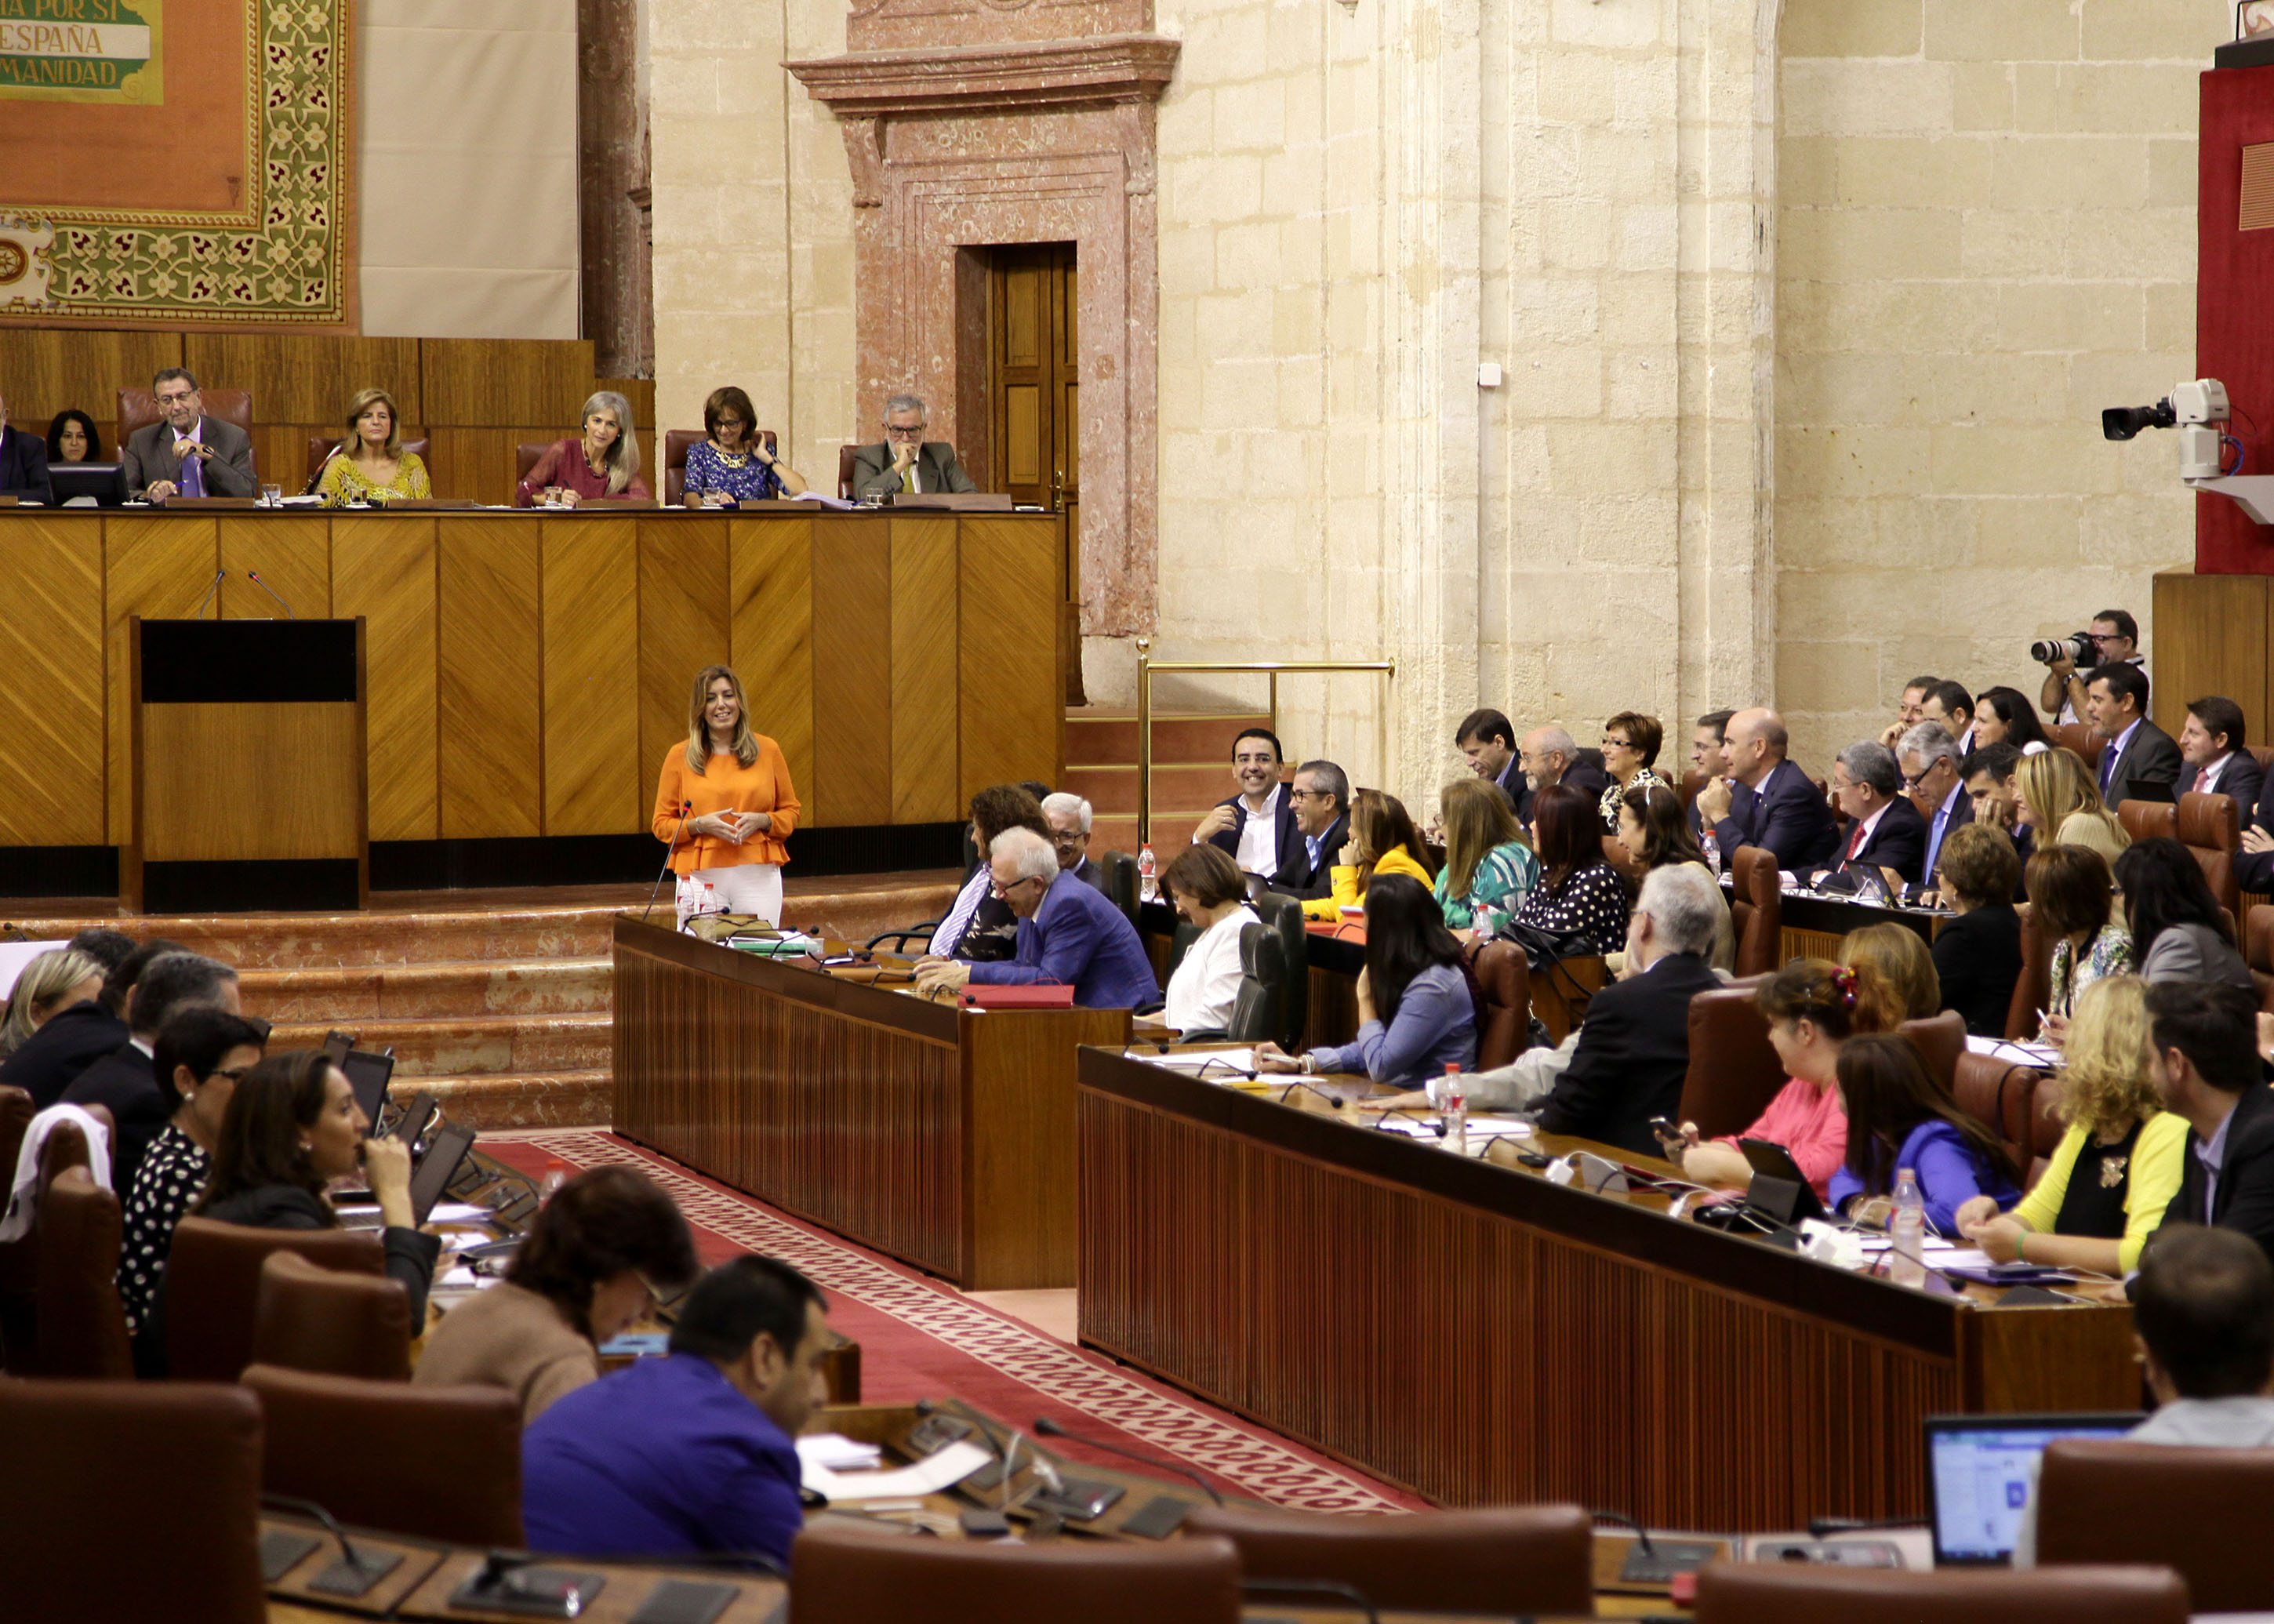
x,y
570,1098
363,993
479,1045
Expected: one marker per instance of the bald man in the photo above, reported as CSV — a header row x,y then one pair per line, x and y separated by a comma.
x,y
1786,815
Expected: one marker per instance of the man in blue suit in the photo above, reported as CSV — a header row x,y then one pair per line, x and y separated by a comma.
x,y
1070,935
1883,829
1786,815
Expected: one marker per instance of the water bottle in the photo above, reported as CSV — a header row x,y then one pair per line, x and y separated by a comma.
x,y
1907,1257
1146,868
1456,1111
1712,845
556,1174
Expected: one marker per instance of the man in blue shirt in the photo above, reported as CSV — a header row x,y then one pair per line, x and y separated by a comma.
x,y
1069,935
690,1452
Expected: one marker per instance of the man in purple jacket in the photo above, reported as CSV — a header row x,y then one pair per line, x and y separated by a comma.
x,y
1070,934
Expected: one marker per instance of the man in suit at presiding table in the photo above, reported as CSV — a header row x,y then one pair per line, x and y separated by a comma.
x,y
1786,815
186,453
905,461
1070,935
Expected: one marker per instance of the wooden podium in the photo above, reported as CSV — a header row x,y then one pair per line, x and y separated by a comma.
x,y
247,766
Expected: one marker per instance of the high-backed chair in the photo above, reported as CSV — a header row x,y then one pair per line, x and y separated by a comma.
x,y
65,1148
1284,915
2259,947
1495,1560
1733,1069
1504,1025
845,472
2144,820
1120,887
1263,978
2210,827
1692,781
527,455
2002,1096
1942,1039
2078,737
1777,1593
82,1326
2035,987
1561,991
319,450
841,1575
137,408
2201,1512
438,1462
213,1288
1756,910
131,1500
676,443
333,1322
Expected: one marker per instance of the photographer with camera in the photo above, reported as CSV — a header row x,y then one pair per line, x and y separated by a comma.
x,y
2113,639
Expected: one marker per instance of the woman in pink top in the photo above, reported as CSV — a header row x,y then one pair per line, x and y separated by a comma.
x,y
1813,1007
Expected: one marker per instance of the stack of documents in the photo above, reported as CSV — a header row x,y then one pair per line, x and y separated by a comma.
x,y
935,1472
835,1452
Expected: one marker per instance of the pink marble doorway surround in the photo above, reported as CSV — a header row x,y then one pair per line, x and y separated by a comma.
x,y
968,132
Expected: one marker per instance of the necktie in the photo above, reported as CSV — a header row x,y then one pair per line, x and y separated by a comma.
x,y
1856,840
193,482
2108,769
2203,782
1934,841
909,480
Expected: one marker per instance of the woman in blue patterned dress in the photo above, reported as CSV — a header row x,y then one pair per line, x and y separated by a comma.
x,y
732,465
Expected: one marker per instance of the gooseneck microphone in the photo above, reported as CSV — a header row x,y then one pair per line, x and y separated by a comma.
x,y
254,576
685,807
1047,1428
317,477
208,597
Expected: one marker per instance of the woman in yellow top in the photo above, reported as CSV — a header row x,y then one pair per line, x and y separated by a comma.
x,y
2119,1165
1381,841
2058,799
370,465
731,788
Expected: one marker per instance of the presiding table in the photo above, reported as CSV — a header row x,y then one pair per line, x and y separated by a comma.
x,y
1469,1329
942,1136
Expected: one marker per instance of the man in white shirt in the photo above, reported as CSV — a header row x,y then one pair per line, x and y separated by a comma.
x,y
1256,828
2211,746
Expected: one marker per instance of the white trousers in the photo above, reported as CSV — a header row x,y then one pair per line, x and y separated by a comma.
x,y
746,888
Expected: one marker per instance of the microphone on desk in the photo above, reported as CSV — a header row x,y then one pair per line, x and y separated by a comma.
x,y
685,807
254,576
208,597
1047,1428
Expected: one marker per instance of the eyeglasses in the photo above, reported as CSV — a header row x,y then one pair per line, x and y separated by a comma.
x,y
1001,889
1618,744
1308,794
1070,837
176,400
894,433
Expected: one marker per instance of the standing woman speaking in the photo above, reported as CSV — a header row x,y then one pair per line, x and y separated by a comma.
x,y
741,804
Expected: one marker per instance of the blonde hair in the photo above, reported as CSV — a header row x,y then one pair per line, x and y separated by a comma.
x,y
1477,819
1903,962
2056,785
363,402
622,458
698,725
45,979
2104,1061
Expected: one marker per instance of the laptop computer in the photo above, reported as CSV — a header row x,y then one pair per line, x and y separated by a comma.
x,y
1978,1473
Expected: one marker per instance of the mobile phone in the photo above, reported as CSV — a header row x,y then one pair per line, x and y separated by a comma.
x,y
1664,1129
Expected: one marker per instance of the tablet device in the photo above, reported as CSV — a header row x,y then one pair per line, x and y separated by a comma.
x,y
412,1126
1978,1473
1779,1190
436,1169
368,1075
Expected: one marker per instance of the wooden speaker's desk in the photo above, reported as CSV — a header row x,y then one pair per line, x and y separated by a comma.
x,y
941,1136
1483,1336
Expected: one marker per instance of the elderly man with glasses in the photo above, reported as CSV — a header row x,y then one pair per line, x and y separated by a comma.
x,y
1929,759
1069,817
187,454
1069,934
904,461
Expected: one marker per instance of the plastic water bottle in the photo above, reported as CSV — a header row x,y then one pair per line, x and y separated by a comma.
x,y
1907,1257
1146,868
1712,845
1456,1111
556,1174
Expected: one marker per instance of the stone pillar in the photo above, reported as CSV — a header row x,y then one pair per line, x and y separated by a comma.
x,y
618,313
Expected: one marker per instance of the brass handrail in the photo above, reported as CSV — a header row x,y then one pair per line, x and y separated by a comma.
x,y
1146,667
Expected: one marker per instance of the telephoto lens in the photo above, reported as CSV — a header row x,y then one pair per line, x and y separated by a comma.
x,y
2123,422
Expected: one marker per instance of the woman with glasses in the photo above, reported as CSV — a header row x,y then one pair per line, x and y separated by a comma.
x,y
729,465
1630,745
597,1258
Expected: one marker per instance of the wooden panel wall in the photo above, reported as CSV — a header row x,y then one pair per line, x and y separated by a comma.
x,y
53,760
592,676
383,568
1013,714
292,554
155,567
770,627
925,578
852,672
2210,635
491,680
684,610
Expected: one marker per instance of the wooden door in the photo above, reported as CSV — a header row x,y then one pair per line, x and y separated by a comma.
x,y
1033,342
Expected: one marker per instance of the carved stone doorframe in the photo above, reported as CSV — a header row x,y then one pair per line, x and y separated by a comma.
x,y
1038,141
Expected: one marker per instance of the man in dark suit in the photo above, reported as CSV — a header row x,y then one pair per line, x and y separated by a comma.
x,y
1709,754
1883,829
1256,828
126,1080
1929,759
186,453
1321,797
23,464
903,461
1487,738
1550,756
1069,817
2202,1057
1785,816
1633,1052
2215,762
2116,704
1994,799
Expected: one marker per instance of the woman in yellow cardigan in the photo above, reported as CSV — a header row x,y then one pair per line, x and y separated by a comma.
x,y
1381,841
731,787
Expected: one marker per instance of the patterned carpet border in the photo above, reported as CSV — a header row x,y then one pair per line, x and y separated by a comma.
x,y
1258,1465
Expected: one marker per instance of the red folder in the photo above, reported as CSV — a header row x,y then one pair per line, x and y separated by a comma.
x,y
1016,998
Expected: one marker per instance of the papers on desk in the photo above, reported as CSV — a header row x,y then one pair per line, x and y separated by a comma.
x,y
1212,1062
835,504
942,1470
791,945
2042,1054
835,1452
459,1212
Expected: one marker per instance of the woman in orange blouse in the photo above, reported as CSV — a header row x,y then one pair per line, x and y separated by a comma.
x,y
740,806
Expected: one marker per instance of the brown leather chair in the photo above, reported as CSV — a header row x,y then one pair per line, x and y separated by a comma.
x,y
1692,781
1942,1039
2210,827
2144,820
1774,1593
841,1575
335,1322
2260,951
1498,1559
2079,738
845,472
2035,986
213,1288
527,455
1756,910
1733,1069
130,1501
675,445
436,1462
82,1327
63,1149
2003,1098
319,448
137,408
1504,1025
2200,1511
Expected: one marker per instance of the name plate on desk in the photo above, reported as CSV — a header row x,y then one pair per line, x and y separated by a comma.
x,y
1016,997
949,501
207,504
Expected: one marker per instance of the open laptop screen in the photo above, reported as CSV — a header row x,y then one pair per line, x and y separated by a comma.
x,y
1979,1469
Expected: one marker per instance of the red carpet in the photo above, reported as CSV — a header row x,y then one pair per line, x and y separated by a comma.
x,y
922,1339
